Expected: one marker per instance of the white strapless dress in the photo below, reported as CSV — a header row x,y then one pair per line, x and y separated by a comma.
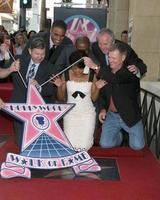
x,y
79,123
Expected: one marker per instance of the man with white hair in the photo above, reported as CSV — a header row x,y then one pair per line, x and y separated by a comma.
x,y
119,103
101,47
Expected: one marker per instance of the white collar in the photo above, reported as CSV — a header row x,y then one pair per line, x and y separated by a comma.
x,y
50,42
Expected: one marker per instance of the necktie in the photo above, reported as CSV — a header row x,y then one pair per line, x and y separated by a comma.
x,y
51,51
31,72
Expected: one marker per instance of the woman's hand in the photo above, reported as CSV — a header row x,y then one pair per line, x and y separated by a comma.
x,y
3,49
58,81
100,83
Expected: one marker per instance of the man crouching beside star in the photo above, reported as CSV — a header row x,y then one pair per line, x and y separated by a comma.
x,y
4,72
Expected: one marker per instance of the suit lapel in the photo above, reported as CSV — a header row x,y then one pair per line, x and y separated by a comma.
x,y
24,62
41,72
47,40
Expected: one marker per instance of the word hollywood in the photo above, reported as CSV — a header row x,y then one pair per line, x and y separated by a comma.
x,y
44,144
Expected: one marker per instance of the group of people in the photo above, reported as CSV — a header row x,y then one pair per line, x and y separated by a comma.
x,y
102,80
13,43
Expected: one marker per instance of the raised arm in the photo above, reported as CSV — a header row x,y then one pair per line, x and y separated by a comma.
x,y
61,88
4,72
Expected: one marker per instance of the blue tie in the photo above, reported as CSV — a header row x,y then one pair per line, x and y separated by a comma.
x,y
31,72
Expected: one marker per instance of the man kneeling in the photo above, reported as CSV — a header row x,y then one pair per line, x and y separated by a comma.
x,y
119,103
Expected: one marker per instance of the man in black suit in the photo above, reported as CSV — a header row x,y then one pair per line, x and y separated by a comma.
x,y
35,70
55,41
100,48
119,102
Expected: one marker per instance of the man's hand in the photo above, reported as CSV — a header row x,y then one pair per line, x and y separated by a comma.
x,y
33,82
89,62
133,69
15,66
102,115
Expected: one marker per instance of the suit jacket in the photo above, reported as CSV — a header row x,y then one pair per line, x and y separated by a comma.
x,y
131,59
46,36
43,73
63,60
125,90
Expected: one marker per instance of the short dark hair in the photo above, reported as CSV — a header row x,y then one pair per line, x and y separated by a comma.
x,y
121,47
124,32
82,39
76,55
37,43
59,24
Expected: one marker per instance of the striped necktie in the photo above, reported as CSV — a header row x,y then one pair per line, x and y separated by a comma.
x,y
31,72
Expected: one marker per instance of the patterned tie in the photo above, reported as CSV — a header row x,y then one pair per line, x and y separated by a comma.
x,y
31,73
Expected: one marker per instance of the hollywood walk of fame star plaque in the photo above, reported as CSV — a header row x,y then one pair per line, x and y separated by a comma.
x,y
44,144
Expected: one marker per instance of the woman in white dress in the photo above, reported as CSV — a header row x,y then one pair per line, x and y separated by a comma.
x,y
80,89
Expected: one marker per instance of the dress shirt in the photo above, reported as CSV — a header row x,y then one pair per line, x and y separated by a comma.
x,y
112,106
106,57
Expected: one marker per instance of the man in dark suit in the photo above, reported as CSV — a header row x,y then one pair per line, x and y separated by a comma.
x,y
100,49
35,70
55,41
119,102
